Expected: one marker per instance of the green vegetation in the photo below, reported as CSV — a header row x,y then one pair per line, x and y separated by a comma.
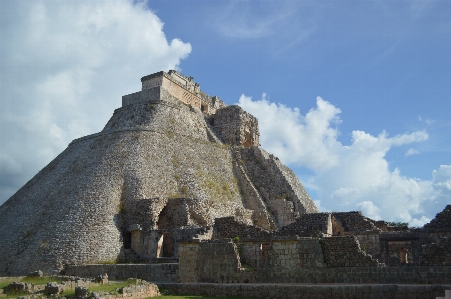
x,y
111,287
247,268
216,187
152,107
364,247
40,280
32,279
175,161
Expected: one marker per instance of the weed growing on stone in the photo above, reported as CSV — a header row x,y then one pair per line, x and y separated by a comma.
x,y
175,161
40,280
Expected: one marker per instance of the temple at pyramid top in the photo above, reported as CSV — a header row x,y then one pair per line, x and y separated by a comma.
x,y
182,87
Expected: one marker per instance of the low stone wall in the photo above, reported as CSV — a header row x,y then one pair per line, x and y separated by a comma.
x,y
293,253
141,291
149,272
282,291
345,252
358,275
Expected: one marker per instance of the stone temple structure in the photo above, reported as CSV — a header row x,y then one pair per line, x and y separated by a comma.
x,y
168,163
177,184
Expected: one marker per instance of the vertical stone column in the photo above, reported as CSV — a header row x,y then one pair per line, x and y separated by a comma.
x,y
135,231
403,255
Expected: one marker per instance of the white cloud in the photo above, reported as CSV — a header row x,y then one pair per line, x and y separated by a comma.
x,y
442,178
369,209
411,151
64,67
428,121
251,20
419,222
350,176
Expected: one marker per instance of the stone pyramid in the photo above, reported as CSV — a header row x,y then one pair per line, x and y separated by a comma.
x,y
170,157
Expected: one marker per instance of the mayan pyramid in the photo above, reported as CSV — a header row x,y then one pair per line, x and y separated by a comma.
x,y
170,157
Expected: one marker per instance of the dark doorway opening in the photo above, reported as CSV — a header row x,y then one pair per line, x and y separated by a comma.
x,y
127,240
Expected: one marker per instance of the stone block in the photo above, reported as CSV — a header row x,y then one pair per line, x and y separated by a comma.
x,y
81,292
53,288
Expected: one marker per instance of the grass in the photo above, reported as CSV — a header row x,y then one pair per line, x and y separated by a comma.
x,y
40,280
33,280
216,187
110,287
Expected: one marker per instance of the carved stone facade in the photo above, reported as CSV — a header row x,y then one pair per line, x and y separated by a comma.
x,y
183,88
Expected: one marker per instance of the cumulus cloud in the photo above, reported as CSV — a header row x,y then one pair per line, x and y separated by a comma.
x,y
348,177
370,209
411,151
419,222
64,67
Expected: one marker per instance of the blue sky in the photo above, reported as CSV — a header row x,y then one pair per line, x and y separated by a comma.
x,y
355,96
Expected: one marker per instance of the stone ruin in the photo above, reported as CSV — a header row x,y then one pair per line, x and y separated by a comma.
x,y
169,162
177,182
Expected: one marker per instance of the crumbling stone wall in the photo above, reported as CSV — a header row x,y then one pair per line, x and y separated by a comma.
x,y
229,228
153,148
369,243
441,220
309,225
278,187
354,221
235,126
337,228
345,252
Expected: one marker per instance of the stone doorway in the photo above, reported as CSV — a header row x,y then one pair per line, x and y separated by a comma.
x,y
167,249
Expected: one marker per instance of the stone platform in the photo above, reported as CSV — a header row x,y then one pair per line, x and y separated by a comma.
x,y
304,291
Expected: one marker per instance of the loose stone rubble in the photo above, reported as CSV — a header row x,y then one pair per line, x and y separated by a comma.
x,y
136,289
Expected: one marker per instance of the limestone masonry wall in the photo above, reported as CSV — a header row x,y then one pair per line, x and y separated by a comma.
x,y
354,221
281,291
294,260
290,254
149,272
277,185
441,220
345,252
183,88
438,253
229,228
235,126
309,225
